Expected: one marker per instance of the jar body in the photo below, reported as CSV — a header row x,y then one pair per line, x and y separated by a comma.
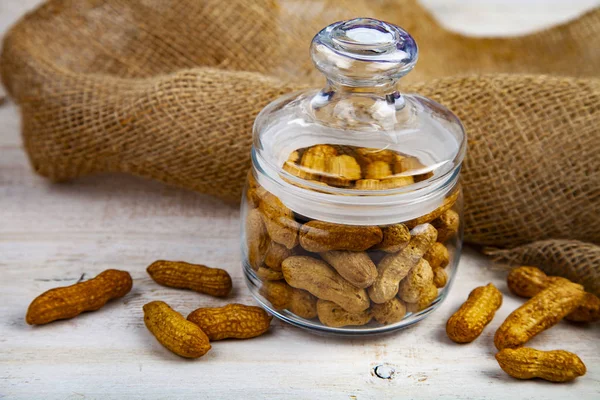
x,y
345,278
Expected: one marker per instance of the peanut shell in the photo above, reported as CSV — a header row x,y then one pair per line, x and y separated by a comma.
x,y
394,267
528,281
428,295
233,321
539,313
320,236
390,312
447,225
275,255
395,238
196,277
70,301
279,221
416,282
466,324
278,293
356,267
173,331
331,314
303,304
437,256
318,278
440,277
257,239
553,366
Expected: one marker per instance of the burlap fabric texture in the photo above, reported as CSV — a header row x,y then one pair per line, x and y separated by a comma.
x,y
169,90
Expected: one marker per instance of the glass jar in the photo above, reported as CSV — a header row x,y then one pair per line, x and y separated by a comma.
x,y
352,213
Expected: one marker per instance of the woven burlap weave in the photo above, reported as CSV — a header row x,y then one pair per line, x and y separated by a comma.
x,y
169,91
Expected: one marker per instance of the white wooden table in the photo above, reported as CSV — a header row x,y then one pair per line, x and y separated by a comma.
x,y
54,235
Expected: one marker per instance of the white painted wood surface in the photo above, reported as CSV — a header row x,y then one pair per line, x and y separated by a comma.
x,y
53,235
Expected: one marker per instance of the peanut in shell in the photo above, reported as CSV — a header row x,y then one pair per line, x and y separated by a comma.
x,y
528,281
553,366
322,281
279,221
466,324
416,282
196,277
390,312
539,313
395,238
173,331
394,267
70,301
331,314
320,236
354,266
233,321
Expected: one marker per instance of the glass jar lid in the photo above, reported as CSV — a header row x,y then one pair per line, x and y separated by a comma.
x,y
359,140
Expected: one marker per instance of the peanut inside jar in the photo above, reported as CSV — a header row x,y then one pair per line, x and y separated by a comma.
x,y
354,167
342,275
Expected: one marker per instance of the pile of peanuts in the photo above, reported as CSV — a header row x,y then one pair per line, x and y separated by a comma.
x,y
347,275
357,168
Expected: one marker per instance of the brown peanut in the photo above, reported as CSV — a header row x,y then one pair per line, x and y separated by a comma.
x,y
324,282
368,184
587,311
446,205
427,297
539,313
553,366
341,170
314,160
199,278
251,195
356,267
378,170
528,281
279,221
331,314
466,324
233,321
447,225
390,312
395,238
396,182
291,166
320,236
173,331
394,267
416,282
275,255
303,304
268,274
278,293
437,256
440,277
70,301
254,192
257,240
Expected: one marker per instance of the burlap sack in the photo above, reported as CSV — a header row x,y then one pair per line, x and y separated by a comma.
x,y
169,91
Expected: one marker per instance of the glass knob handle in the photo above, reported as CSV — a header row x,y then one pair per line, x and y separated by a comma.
x,y
363,52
